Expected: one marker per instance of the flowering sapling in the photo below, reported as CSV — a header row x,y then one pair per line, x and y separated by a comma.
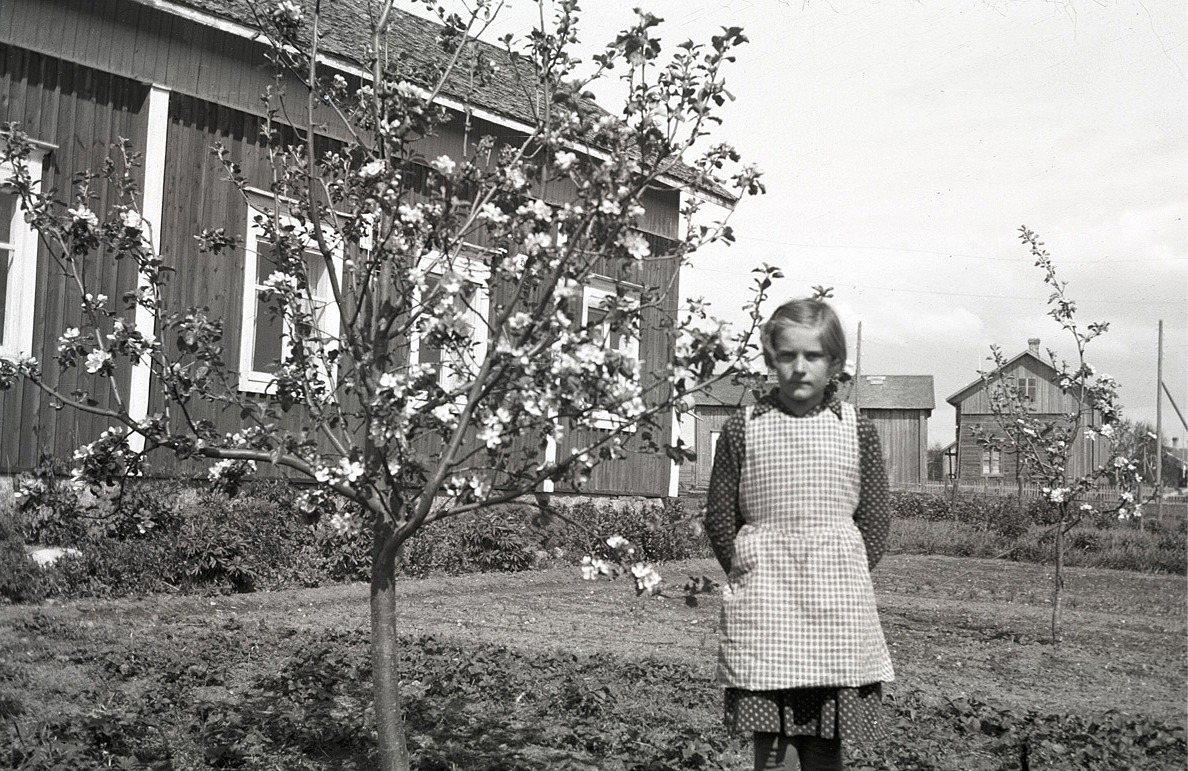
x,y
1044,445
436,344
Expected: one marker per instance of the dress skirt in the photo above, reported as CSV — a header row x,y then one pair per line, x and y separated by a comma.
x,y
849,714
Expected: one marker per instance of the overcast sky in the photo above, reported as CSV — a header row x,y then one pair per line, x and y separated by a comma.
x,y
904,143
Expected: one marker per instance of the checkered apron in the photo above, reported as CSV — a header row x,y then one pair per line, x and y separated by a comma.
x,y
800,610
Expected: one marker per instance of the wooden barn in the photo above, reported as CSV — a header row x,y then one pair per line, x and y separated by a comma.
x,y
710,412
898,405
174,77
1039,381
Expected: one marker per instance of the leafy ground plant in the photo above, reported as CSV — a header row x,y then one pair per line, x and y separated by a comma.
x,y
540,670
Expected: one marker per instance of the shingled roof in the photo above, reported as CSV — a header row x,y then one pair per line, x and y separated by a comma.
x,y
893,392
345,36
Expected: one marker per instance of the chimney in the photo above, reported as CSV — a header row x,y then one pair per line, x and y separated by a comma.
x,y
1033,346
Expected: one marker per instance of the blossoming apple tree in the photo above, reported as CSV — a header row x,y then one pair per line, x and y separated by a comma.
x,y
1043,445
379,239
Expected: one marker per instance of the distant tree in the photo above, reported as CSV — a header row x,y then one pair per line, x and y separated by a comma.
x,y
936,463
374,235
1044,445
1137,440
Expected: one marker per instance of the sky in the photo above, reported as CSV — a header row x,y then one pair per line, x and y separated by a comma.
x,y
903,144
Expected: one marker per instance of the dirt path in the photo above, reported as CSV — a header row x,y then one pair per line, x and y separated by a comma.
x,y
956,627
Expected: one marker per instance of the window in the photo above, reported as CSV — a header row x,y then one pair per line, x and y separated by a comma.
x,y
1026,387
265,338
595,296
18,266
991,462
470,306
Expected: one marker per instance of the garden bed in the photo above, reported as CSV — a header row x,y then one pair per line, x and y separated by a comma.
x,y
540,670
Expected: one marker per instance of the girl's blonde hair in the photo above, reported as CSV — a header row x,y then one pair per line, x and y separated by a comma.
x,y
807,312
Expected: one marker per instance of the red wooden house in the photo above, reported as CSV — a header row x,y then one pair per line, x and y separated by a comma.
x,y
174,77
1038,380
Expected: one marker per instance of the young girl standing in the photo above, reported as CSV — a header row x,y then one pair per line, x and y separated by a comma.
x,y
798,514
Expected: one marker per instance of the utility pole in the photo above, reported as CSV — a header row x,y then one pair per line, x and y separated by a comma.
x,y
1159,428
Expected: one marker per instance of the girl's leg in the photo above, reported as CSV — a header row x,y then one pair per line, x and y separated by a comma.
x,y
818,754
774,752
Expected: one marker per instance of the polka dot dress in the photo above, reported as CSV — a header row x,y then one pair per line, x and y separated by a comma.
x,y
846,713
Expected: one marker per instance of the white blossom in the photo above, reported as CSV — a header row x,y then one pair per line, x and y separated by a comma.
x,y
287,12
284,283
619,542
592,567
97,360
411,90
537,241
372,169
647,580
564,160
492,213
635,245
83,215
538,209
1056,494
220,469
444,164
131,219
346,523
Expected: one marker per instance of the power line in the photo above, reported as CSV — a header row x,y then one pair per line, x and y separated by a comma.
x,y
955,254
958,294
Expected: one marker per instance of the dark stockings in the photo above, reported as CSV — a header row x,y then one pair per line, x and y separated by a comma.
x,y
774,752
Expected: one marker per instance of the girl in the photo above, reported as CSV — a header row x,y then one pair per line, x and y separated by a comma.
x,y
797,514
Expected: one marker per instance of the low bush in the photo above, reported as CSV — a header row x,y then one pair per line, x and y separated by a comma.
x,y
1153,550
168,536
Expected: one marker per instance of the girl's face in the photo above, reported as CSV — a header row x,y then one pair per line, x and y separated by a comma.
x,y
802,367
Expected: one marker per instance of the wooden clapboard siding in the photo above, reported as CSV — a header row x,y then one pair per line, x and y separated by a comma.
x,y
973,408
900,438
77,74
82,111
1049,399
145,44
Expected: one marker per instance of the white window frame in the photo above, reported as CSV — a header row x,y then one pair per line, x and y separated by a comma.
x,y
20,294
595,293
991,462
474,271
251,379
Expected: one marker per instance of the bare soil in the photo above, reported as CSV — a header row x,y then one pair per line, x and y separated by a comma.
x,y
956,627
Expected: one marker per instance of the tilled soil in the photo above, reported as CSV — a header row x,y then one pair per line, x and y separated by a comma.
x,y
956,627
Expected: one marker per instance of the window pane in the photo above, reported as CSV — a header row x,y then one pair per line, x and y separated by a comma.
x,y
319,281
8,211
265,260
266,348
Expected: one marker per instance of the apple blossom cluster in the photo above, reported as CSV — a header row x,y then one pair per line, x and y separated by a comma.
x,y
226,475
106,460
647,579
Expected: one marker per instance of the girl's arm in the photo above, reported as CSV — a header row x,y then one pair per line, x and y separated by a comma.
x,y
722,516
873,515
